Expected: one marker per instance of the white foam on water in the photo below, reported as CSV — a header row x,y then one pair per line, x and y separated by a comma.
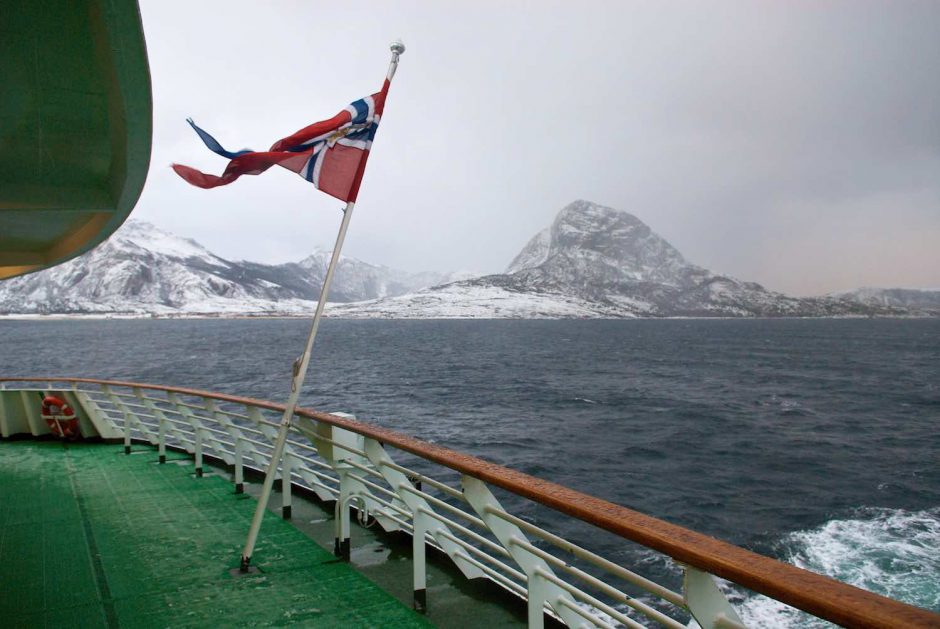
x,y
887,551
585,400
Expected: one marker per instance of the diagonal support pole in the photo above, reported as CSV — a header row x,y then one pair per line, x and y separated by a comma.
x,y
300,373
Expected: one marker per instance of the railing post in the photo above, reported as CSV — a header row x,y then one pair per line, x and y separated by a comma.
x,y
127,416
127,433
341,542
706,602
197,456
161,423
419,559
399,482
509,535
161,448
285,486
255,415
99,419
239,467
331,443
535,587
218,416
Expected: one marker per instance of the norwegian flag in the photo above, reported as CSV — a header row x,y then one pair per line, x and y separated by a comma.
x,y
330,154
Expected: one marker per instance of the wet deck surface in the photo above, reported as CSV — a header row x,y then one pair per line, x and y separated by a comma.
x,y
90,537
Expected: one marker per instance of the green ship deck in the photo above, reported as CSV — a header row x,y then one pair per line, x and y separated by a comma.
x,y
93,534
92,538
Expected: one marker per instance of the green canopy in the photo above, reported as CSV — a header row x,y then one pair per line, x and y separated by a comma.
x,y
75,127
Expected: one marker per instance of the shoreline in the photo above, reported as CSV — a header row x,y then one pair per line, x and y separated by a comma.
x,y
210,316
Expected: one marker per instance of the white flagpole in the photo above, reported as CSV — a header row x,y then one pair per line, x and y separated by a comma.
x,y
300,366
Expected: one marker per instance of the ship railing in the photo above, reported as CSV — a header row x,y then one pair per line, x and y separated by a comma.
x,y
483,516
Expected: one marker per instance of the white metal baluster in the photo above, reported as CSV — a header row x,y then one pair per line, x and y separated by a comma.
x,y
286,486
163,421
161,449
706,602
399,482
127,419
102,421
197,455
239,467
419,559
222,420
127,433
484,502
536,590
124,411
341,542
197,427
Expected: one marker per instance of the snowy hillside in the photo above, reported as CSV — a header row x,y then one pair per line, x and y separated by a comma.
x,y
142,269
919,301
592,261
595,261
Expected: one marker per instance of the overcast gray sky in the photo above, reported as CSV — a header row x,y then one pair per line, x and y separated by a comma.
x,y
796,144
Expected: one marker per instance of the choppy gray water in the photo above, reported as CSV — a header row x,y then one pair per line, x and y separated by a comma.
x,y
814,441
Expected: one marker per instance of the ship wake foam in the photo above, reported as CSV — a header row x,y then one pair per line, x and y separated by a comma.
x,y
891,552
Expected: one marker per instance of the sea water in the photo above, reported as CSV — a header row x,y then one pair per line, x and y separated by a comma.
x,y
813,441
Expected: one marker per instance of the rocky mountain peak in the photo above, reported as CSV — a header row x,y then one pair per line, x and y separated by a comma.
x,y
588,226
596,261
136,237
317,261
594,239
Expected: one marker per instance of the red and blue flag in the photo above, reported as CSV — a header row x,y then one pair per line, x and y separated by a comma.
x,y
330,154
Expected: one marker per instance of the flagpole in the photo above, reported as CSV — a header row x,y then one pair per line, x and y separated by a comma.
x,y
300,367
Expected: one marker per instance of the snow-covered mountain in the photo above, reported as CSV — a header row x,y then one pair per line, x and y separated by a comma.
x,y
142,269
918,301
595,261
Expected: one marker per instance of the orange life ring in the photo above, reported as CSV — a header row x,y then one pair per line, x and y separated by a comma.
x,y
60,417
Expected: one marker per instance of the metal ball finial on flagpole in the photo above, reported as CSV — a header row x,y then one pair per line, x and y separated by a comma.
x,y
398,48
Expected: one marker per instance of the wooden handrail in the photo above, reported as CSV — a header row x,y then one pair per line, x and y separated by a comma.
x,y
821,596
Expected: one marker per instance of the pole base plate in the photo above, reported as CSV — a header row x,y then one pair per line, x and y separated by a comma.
x,y
238,572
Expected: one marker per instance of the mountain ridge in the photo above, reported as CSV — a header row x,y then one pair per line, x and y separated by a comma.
x,y
596,261
144,270
592,261
925,301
